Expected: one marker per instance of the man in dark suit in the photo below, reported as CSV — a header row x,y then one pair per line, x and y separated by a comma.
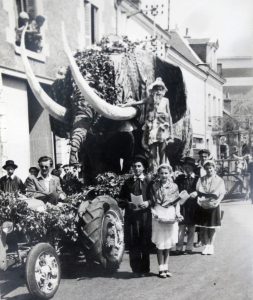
x,y
45,186
137,217
11,183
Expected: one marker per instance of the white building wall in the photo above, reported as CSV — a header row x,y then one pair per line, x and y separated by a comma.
x,y
15,128
195,99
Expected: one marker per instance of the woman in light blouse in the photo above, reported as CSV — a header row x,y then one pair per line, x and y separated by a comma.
x,y
211,191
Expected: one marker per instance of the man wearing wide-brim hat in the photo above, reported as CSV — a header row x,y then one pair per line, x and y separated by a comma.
x,y
11,183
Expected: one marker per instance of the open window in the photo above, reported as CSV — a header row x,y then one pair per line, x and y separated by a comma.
x,y
28,13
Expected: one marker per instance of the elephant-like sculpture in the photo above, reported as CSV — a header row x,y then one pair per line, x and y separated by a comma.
x,y
88,102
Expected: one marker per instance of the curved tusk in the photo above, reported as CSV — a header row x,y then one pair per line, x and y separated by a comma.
x,y
54,109
101,106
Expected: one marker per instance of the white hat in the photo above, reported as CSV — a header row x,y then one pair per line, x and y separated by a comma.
x,y
157,82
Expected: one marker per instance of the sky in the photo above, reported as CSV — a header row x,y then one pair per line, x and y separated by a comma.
x,y
229,21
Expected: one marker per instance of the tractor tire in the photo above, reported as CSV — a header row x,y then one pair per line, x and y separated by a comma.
x,y
43,271
102,232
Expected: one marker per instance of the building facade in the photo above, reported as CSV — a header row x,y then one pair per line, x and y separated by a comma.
x,y
238,98
25,129
203,83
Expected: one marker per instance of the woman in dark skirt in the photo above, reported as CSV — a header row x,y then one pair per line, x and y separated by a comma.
x,y
187,182
211,190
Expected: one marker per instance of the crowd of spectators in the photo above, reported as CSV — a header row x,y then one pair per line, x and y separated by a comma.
x,y
43,182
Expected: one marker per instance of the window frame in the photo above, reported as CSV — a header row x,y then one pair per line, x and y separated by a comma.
x,y
38,56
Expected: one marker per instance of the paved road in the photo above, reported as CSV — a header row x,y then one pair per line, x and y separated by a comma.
x,y
226,275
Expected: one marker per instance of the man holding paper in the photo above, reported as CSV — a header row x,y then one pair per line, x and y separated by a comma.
x,y
137,217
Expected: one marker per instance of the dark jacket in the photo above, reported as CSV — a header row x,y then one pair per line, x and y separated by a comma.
x,y
130,187
137,222
12,185
188,209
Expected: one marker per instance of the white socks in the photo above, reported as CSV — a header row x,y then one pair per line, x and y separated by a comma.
x,y
163,268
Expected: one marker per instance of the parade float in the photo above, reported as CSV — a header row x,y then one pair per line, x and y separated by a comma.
x,y
88,105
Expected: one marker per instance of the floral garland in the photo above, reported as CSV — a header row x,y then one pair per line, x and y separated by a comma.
x,y
54,221
58,221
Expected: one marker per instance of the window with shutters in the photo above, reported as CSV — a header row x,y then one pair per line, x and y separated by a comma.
x,y
27,14
91,23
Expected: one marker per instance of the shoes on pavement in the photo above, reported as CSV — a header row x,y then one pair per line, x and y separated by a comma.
x,y
162,274
210,250
168,274
197,245
205,251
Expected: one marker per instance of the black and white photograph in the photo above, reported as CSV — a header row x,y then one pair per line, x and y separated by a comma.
x,y
126,149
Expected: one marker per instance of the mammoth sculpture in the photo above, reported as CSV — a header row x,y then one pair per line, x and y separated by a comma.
x,y
88,104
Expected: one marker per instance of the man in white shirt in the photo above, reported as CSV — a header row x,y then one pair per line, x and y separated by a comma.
x,y
45,186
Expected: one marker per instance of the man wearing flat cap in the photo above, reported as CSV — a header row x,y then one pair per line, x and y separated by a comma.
x,y
11,183
204,154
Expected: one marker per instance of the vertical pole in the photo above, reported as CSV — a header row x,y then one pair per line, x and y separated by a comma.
x,y
3,126
117,20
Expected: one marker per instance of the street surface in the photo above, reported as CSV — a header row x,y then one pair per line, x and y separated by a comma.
x,y
226,275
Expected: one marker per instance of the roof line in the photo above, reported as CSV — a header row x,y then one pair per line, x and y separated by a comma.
x,y
188,46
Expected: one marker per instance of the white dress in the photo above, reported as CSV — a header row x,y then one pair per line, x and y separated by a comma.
x,y
164,235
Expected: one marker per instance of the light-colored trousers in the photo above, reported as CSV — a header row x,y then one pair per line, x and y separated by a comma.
x,y
190,237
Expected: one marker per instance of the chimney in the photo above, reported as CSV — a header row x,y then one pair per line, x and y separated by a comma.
x,y
187,33
219,69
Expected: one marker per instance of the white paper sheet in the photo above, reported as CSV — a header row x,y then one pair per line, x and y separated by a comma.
x,y
137,200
